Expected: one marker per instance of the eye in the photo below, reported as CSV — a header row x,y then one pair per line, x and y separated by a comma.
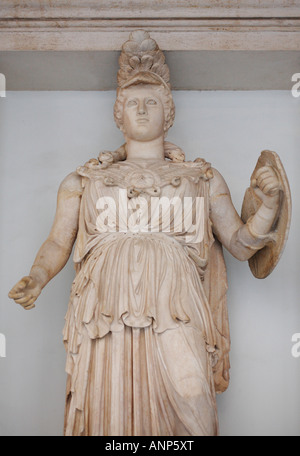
x,y
151,101
131,103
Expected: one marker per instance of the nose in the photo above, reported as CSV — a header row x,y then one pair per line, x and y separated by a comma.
x,y
142,110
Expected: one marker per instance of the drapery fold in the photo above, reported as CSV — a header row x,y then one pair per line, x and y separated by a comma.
x,y
139,332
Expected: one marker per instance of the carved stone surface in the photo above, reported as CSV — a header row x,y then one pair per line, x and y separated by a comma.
x,y
261,40
146,331
190,25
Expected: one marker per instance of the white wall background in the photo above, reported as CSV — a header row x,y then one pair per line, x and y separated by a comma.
x,y
46,135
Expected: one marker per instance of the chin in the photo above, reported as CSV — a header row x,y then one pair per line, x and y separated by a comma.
x,y
145,135
145,138
142,136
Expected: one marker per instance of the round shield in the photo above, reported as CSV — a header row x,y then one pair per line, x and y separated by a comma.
x,y
264,261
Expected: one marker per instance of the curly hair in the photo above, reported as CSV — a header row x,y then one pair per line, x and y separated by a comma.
x,y
166,98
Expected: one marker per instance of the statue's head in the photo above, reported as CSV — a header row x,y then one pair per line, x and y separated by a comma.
x,y
144,100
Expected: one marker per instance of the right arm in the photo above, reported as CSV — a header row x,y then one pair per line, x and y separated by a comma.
x,y
56,250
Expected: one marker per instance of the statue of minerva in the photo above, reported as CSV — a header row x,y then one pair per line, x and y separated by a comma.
x,y
146,331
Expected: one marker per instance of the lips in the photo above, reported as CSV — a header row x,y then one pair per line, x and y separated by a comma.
x,y
142,120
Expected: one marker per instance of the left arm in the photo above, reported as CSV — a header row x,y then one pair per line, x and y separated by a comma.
x,y
243,240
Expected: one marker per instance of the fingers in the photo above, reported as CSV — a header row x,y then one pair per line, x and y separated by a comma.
x,y
267,181
27,302
23,293
30,304
263,173
15,295
29,307
18,290
270,188
24,299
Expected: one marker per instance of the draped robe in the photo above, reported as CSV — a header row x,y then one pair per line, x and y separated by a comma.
x,y
146,331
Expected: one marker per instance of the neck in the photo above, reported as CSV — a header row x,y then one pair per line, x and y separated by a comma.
x,y
145,151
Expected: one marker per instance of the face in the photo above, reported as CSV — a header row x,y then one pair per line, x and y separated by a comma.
x,y
143,114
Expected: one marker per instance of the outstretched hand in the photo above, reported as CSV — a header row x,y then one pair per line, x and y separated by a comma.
x,y
25,292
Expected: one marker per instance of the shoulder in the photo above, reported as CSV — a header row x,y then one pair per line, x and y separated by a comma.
x,y
72,183
218,184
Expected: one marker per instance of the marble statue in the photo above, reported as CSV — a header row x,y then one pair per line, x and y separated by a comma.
x,y
146,332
